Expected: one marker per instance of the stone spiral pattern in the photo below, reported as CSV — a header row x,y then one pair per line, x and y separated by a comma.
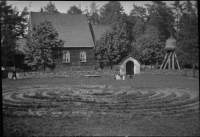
x,y
87,100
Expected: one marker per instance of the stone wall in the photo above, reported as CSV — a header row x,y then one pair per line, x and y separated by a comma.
x,y
174,72
81,73
69,73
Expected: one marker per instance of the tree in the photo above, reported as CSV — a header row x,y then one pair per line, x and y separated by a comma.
x,y
94,18
44,46
93,15
24,21
86,11
161,17
74,10
50,8
138,11
148,47
112,47
137,32
188,36
178,11
139,28
111,12
93,8
11,28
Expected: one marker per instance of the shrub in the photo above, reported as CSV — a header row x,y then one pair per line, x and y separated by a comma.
x,y
4,73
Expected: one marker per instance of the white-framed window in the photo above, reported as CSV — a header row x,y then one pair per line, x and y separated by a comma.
x,y
66,57
82,56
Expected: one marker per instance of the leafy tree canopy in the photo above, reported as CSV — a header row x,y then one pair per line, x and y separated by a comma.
x,y
188,35
12,25
161,17
43,49
94,15
74,10
148,28
113,46
111,12
138,11
50,8
148,48
93,8
24,21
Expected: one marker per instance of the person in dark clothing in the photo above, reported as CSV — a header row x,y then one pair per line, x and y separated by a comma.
x,y
14,74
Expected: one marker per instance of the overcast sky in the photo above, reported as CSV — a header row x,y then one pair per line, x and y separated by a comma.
x,y
63,6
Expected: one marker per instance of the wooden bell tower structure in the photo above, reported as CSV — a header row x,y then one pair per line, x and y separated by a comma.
x,y
170,60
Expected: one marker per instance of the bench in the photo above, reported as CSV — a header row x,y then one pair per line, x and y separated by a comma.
x,y
89,76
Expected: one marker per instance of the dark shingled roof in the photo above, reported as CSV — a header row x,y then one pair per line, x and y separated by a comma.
x,y
72,28
99,30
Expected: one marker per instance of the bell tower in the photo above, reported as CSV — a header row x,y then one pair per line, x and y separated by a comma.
x,y
170,60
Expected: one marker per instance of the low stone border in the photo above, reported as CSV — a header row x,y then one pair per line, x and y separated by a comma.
x,y
63,74
174,72
76,74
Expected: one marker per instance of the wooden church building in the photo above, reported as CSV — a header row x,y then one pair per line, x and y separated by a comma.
x,y
77,33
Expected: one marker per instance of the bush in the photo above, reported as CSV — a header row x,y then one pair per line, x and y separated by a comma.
x,y
52,67
116,68
4,73
19,70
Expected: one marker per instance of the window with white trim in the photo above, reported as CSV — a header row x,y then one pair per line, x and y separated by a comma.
x,y
82,56
66,57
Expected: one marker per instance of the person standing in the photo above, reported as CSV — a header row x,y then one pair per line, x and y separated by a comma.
x,y
14,74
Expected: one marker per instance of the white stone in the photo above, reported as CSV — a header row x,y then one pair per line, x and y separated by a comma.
x,y
10,74
118,77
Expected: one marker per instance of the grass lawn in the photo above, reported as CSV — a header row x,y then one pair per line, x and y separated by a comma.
x,y
124,115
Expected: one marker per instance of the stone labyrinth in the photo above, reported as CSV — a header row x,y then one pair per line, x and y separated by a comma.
x,y
80,100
